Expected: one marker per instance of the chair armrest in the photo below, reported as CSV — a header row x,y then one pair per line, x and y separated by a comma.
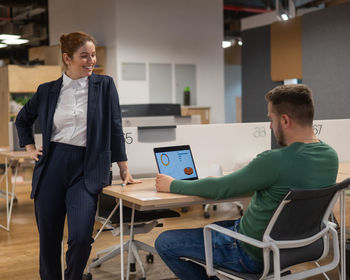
x,y
208,243
236,235
288,244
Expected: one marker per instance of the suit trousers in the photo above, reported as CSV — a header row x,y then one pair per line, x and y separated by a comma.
x,y
62,192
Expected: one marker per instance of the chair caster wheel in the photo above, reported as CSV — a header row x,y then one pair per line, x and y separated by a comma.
x,y
184,209
149,258
96,259
132,267
87,276
206,215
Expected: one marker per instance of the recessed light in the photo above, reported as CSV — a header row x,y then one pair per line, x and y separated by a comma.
x,y
3,45
15,41
226,44
9,36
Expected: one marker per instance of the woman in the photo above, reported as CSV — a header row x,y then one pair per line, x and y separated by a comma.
x,y
80,119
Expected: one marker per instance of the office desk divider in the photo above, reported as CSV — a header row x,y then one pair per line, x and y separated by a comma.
x,y
230,145
335,133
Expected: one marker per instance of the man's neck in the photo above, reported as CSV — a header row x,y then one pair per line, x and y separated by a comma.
x,y
302,135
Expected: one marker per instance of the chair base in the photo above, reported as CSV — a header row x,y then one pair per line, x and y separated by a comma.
x,y
109,253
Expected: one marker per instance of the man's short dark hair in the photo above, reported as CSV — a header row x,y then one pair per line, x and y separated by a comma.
x,y
293,100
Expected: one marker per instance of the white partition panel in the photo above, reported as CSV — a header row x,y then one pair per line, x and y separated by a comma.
x,y
336,133
230,145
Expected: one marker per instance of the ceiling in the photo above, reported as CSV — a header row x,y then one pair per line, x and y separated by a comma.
x,y
235,10
30,19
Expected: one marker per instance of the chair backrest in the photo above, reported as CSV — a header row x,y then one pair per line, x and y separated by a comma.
x,y
301,214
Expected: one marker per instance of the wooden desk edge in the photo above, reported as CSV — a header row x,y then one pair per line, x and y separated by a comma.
x,y
156,200
15,154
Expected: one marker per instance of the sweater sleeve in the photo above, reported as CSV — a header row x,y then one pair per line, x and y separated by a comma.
x,y
260,173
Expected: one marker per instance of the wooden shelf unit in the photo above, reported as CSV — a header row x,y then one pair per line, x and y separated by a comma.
x,y
21,79
51,55
204,112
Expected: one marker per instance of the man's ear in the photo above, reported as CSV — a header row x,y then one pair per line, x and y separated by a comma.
x,y
286,121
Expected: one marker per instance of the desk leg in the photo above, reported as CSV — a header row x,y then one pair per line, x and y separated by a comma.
x,y
121,239
342,235
9,207
106,221
131,240
13,194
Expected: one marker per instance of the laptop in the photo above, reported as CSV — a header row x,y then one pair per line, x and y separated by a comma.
x,y
176,161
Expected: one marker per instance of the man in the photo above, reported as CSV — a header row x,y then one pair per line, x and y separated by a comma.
x,y
303,162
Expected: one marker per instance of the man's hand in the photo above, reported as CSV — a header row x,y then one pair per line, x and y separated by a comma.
x,y
163,183
125,174
33,152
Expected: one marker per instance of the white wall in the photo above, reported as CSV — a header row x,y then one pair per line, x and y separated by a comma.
x,y
152,31
97,18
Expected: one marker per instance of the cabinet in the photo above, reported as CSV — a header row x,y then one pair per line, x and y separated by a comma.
x,y
204,112
18,80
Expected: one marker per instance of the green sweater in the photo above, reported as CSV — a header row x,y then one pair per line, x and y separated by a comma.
x,y
270,175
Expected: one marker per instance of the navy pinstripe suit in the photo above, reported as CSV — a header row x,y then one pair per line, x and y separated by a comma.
x,y
67,179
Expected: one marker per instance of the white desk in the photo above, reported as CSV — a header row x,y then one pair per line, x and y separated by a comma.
x,y
12,160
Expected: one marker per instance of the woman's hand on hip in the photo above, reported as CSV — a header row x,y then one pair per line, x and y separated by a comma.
x,y
33,152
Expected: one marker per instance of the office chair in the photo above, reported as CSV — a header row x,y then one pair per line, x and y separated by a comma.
x,y
290,238
215,170
237,208
144,221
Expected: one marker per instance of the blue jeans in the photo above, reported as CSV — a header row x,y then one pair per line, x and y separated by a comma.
x,y
227,251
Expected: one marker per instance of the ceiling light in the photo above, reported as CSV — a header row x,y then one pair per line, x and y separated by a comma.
x,y
284,16
9,36
15,41
290,82
240,43
226,44
3,45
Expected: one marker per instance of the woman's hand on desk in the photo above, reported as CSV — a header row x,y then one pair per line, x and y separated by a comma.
x,y
125,174
163,183
33,152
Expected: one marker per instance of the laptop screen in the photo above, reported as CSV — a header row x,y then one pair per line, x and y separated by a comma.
x,y
176,161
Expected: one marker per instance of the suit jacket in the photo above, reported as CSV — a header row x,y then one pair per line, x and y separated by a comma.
x,y
104,136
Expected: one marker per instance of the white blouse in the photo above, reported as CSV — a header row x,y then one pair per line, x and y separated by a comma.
x,y
69,122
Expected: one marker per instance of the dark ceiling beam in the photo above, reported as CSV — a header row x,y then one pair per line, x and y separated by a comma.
x,y
245,9
23,3
15,3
